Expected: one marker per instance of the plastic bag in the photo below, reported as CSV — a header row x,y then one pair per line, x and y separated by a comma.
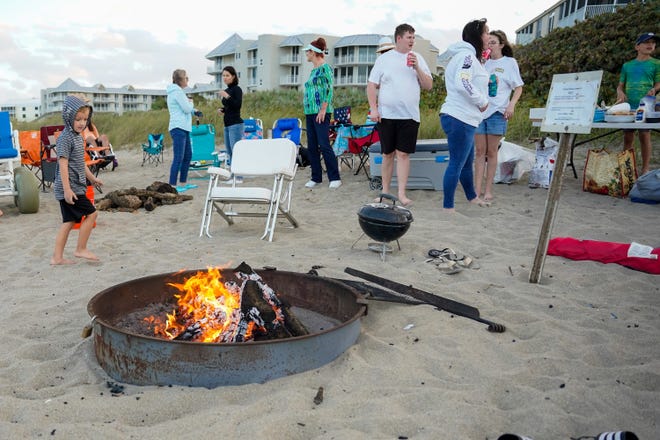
x,y
546,155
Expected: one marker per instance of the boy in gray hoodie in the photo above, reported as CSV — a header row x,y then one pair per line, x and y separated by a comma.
x,y
71,180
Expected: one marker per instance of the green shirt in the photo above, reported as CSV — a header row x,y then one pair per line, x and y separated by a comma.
x,y
318,89
639,77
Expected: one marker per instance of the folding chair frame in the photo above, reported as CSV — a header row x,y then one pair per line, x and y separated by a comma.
x,y
153,150
278,198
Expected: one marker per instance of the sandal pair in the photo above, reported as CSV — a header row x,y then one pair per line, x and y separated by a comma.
x,y
448,254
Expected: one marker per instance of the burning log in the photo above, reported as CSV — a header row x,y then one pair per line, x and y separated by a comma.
x,y
282,315
212,309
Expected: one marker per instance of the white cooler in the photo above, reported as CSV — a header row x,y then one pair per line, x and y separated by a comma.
x,y
427,165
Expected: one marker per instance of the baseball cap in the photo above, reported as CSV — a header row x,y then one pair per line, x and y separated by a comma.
x,y
646,37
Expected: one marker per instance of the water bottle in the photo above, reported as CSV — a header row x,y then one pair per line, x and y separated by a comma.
x,y
647,104
640,114
492,85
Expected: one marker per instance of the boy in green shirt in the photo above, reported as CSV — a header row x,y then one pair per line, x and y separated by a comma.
x,y
640,77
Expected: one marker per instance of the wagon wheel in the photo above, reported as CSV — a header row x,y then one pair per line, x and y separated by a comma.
x,y
27,191
376,183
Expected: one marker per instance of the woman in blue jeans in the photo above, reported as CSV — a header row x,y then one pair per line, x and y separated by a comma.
x,y
232,100
466,81
181,109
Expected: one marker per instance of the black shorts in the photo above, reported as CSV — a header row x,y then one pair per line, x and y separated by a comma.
x,y
74,213
398,134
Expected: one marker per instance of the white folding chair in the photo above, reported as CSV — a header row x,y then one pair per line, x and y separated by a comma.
x,y
274,158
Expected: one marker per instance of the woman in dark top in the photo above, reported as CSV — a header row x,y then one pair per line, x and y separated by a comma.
x,y
232,99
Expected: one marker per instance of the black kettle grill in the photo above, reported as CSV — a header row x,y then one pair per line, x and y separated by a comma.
x,y
384,223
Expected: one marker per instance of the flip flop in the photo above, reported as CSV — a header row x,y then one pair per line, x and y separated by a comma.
x,y
191,186
513,437
181,189
615,435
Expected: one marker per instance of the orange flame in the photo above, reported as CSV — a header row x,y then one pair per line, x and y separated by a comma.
x,y
207,306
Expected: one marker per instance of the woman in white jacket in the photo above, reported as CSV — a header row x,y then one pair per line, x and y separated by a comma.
x,y
466,82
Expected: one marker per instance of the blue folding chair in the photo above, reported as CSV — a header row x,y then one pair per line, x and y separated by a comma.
x,y
291,128
202,138
253,128
152,151
288,128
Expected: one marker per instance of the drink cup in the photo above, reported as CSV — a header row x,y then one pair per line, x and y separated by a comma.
x,y
409,59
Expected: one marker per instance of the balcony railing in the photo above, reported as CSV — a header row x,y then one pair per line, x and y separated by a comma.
x,y
216,68
290,59
290,80
593,10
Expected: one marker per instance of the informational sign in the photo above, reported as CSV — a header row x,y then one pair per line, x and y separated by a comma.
x,y
571,102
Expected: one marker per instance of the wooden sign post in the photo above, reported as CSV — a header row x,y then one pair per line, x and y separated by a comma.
x,y
569,111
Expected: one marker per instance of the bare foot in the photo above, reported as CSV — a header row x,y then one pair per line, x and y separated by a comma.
x,y
86,254
61,262
450,210
405,201
480,202
488,197
644,171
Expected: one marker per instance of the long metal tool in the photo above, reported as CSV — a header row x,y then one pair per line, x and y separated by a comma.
x,y
445,304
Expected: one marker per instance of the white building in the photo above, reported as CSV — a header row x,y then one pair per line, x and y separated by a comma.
x,y
22,110
114,100
274,62
270,62
565,13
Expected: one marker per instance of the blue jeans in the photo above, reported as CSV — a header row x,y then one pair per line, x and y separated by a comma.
x,y
233,134
460,137
318,143
182,150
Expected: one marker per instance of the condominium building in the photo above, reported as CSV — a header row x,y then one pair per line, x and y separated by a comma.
x,y
274,62
271,62
24,110
565,13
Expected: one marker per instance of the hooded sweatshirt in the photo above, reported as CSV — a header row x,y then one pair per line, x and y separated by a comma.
x,y
466,81
70,145
180,108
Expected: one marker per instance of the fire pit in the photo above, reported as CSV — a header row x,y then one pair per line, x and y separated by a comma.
x,y
329,310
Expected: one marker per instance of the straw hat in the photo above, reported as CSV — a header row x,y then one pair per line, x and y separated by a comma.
x,y
384,44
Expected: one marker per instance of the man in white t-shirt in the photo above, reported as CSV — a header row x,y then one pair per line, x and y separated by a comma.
x,y
393,92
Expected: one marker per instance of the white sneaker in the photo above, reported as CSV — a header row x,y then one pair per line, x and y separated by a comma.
x,y
312,184
334,184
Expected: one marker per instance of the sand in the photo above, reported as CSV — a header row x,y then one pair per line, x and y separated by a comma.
x,y
580,355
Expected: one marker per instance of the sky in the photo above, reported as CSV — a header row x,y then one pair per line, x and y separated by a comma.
x,y
140,42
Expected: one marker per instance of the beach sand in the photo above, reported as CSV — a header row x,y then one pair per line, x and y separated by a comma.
x,y
579,356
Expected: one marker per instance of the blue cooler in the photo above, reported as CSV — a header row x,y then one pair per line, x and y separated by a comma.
x,y
427,165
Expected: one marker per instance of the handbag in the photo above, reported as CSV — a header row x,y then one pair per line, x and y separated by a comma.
x,y
609,173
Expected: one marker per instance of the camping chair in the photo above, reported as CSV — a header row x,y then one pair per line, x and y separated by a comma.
x,y
288,128
291,128
30,142
362,137
152,151
48,154
253,128
340,126
202,139
275,158
101,156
